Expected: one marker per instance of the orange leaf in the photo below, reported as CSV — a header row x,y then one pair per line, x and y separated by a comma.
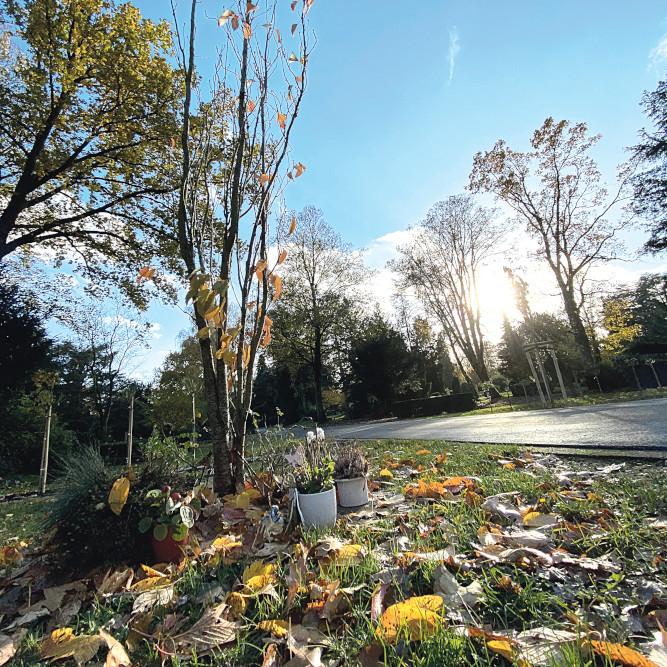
x,y
264,179
622,654
266,332
277,282
247,30
294,27
251,106
146,273
282,256
225,16
300,168
259,268
281,119
292,227
299,78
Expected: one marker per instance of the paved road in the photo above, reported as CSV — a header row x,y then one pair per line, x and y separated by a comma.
x,y
631,425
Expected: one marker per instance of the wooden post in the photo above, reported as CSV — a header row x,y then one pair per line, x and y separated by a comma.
x,y
547,388
634,372
44,467
535,377
554,358
129,431
655,375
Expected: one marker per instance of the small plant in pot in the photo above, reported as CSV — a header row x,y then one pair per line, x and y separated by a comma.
x,y
313,482
350,473
169,517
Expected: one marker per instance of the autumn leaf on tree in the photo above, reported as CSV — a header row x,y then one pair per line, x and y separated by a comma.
x,y
281,119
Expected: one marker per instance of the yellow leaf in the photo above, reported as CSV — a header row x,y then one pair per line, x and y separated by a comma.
x,y
387,474
242,500
226,543
622,654
203,332
247,30
246,355
149,583
416,618
275,627
237,604
349,554
61,634
292,227
501,647
151,571
258,568
118,495
422,452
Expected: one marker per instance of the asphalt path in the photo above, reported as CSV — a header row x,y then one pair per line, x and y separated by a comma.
x,y
626,426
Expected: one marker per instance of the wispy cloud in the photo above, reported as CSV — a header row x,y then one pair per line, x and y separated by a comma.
x,y
658,56
453,52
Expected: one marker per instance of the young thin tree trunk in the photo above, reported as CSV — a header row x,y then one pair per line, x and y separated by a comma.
x,y
317,372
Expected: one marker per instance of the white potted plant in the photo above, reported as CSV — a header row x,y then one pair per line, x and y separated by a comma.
x,y
350,472
313,480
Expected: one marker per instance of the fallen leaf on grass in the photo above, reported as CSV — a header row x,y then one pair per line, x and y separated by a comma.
x,y
497,506
115,581
9,645
117,655
276,627
456,595
63,643
377,600
446,555
621,654
242,500
422,452
157,597
544,647
423,489
209,632
271,656
386,474
539,520
417,617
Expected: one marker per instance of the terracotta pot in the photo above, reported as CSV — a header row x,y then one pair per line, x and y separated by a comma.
x,y
169,550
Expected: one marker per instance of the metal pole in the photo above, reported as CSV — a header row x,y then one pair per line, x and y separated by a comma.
x,y
554,358
535,377
129,431
44,467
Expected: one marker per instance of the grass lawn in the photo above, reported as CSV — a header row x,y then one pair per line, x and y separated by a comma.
x,y
574,547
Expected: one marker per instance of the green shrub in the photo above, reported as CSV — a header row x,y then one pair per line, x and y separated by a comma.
x,y
85,530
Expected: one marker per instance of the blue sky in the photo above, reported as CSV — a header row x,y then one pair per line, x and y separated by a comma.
x,y
402,94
